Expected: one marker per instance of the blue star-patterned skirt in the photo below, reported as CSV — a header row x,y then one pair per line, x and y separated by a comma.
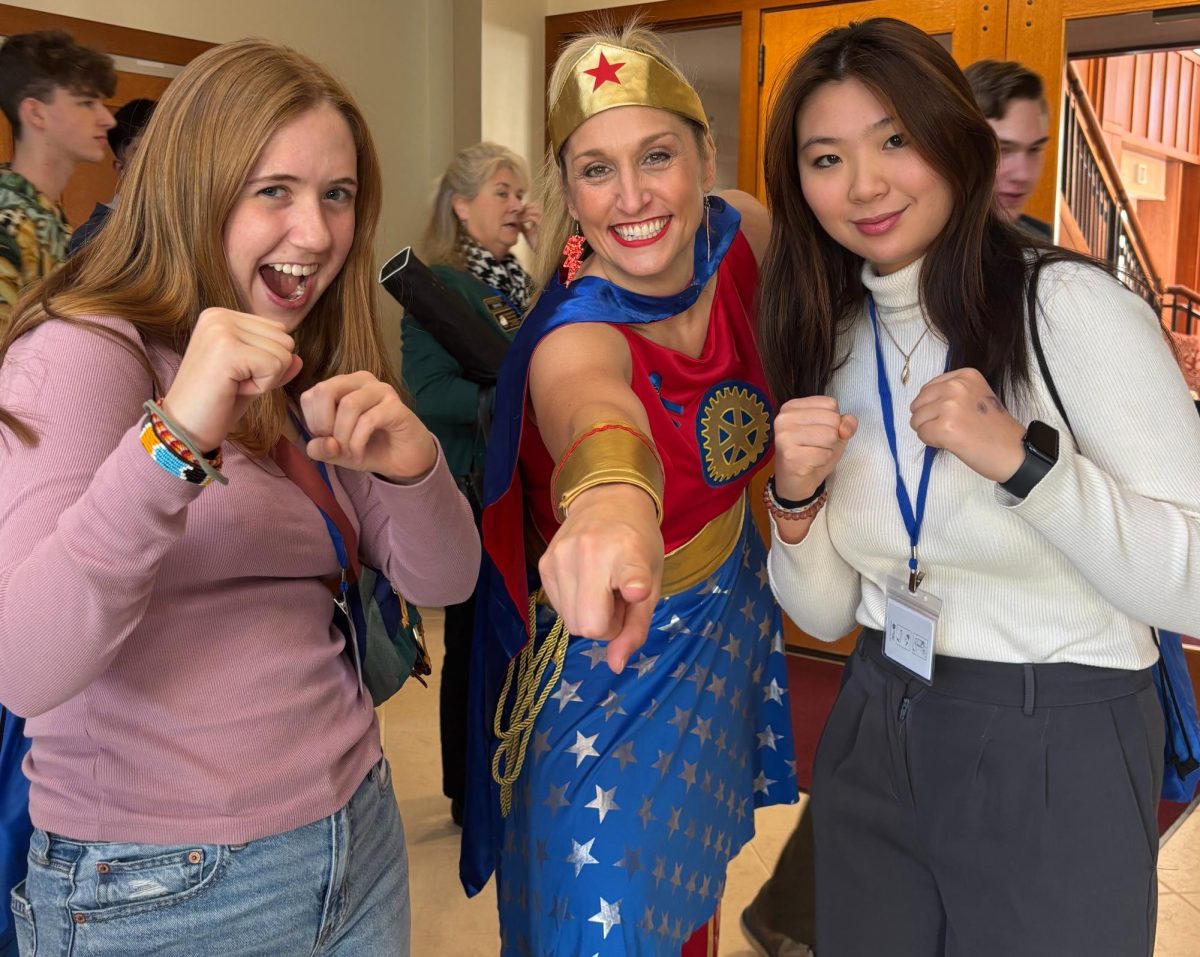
x,y
638,788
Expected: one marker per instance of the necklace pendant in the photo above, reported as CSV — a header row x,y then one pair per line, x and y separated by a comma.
x,y
904,374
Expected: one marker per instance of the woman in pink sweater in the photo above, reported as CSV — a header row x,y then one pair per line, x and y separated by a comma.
x,y
205,775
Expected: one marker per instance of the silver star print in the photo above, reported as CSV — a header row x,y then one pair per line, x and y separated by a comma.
x,y
624,754
652,710
645,664
582,748
677,877
764,576
762,783
691,885
791,766
773,692
673,821
735,700
647,923
706,840
604,802
721,738
698,675
688,774
702,730
660,870
748,609
565,694
557,799
777,646
631,861
611,706
609,915
704,891
541,742
679,672
720,795
767,738
581,855
717,687
764,628
679,722
706,784
663,764
733,646
645,812
676,626
597,653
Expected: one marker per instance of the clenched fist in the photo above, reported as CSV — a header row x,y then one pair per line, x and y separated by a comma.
x,y
959,412
231,359
810,437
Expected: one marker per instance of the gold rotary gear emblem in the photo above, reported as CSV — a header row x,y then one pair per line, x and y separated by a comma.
x,y
735,429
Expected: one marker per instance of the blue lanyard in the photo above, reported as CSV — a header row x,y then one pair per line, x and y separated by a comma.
x,y
912,520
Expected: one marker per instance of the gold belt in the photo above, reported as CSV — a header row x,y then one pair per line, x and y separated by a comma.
x,y
702,554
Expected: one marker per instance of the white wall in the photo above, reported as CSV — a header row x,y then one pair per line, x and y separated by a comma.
x,y
396,56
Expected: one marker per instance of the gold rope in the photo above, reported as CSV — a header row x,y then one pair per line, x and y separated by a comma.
x,y
530,667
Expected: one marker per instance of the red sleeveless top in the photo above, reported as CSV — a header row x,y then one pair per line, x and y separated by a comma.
x,y
710,417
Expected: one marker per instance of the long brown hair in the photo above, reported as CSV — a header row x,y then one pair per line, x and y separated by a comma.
x,y
160,259
974,275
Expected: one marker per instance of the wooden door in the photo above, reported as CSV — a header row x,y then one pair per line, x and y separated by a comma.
x,y
974,30
94,183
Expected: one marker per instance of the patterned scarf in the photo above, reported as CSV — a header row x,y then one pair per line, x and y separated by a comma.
x,y
504,275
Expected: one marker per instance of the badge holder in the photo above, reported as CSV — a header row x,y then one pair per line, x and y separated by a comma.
x,y
910,627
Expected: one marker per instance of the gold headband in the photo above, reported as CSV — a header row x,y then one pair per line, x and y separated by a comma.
x,y
607,76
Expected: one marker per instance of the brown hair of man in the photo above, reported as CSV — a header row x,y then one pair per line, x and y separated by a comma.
x,y
36,64
996,83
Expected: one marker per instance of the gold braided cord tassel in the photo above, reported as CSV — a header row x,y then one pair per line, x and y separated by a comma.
x,y
530,667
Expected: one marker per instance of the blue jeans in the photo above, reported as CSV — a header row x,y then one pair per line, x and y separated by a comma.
x,y
334,888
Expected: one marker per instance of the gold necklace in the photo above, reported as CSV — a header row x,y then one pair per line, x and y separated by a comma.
x,y
904,372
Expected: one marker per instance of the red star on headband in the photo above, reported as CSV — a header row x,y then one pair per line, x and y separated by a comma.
x,y
604,72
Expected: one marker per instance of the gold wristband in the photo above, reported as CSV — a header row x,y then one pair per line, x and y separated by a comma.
x,y
607,453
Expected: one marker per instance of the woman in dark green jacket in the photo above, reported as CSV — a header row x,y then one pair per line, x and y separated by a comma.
x,y
479,214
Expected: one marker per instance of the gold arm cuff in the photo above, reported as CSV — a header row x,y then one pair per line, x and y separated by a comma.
x,y
607,453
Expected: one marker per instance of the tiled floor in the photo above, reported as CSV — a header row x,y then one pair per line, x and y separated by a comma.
x,y
447,924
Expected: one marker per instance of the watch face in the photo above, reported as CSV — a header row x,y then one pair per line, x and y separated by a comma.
x,y
1042,440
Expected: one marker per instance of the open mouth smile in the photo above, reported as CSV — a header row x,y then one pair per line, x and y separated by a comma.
x,y
645,233
288,283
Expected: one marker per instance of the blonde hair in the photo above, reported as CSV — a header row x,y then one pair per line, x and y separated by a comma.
x,y
557,223
160,260
466,175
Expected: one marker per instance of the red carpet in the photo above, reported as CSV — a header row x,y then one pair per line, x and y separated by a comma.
x,y
814,685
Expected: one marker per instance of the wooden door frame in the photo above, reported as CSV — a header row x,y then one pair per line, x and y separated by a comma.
x,y
106,37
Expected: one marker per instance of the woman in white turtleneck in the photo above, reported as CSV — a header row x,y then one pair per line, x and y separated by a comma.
x,y
988,779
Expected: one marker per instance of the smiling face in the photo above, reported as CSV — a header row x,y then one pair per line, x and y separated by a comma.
x,y
1023,132
75,124
635,180
292,226
867,185
493,217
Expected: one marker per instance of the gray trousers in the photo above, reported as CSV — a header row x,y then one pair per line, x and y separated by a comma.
x,y
1008,811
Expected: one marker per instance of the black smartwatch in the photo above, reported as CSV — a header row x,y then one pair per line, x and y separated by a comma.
x,y
1041,452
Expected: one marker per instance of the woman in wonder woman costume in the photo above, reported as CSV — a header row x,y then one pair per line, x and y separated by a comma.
x,y
629,695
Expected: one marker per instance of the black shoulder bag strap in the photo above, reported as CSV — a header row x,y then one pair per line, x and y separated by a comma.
x,y
1184,763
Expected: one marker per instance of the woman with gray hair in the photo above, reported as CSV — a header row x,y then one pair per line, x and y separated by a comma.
x,y
479,214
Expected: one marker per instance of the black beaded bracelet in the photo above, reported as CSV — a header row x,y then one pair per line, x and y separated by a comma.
x,y
792,505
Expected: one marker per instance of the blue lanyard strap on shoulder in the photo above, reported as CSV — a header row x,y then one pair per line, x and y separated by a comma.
x,y
913,519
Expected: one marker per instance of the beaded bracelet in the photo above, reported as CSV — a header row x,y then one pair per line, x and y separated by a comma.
x,y
171,449
794,512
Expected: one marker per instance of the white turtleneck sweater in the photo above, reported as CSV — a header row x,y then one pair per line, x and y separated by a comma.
x,y
1106,543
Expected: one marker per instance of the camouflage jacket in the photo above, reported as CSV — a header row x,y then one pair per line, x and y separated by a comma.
x,y
33,236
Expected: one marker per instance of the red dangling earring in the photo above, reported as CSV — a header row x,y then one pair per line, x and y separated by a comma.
x,y
572,257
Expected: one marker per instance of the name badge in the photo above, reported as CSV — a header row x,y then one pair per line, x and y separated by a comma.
x,y
910,627
351,640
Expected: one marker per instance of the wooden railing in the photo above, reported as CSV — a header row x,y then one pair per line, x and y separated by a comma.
x,y
1091,186
1181,310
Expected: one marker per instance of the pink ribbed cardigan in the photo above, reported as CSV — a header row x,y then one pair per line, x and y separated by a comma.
x,y
171,645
